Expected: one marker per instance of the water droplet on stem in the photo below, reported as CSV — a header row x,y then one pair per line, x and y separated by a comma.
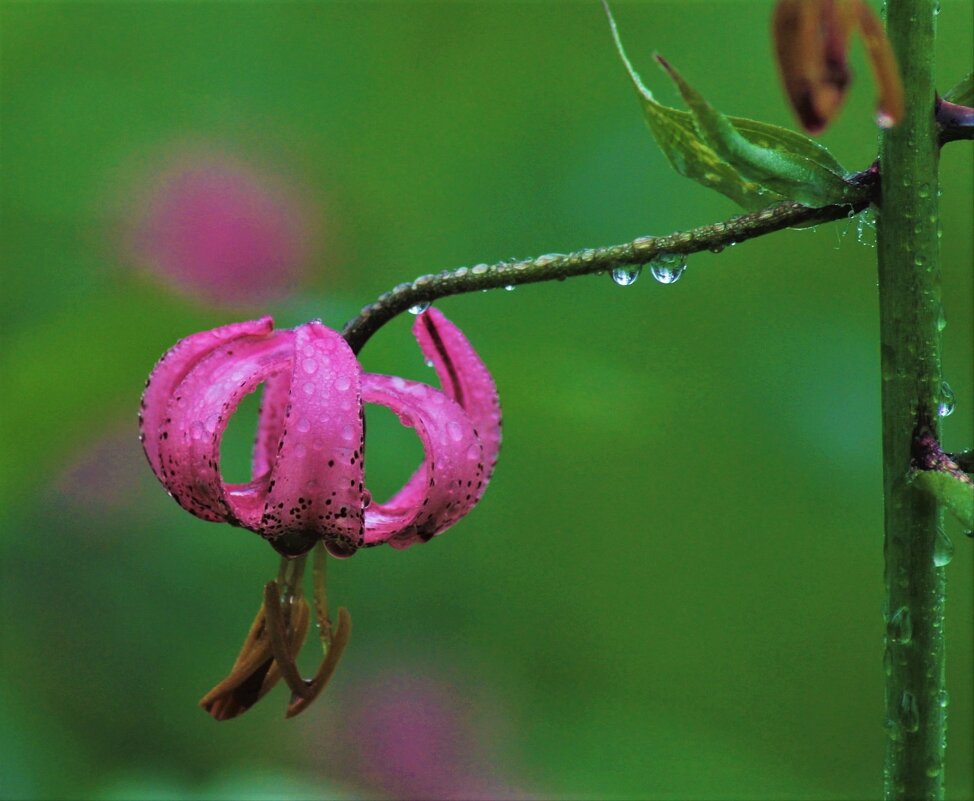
x,y
946,406
899,628
668,267
943,549
909,712
626,276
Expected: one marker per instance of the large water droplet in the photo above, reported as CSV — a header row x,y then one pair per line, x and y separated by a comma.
x,y
625,276
899,628
943,549
909,712
419,308
509,288
924,190
668,267
943,699
946,406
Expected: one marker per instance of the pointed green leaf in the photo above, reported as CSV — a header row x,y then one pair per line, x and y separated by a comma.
x,y
962,93
953,490
692,156
789,172
677,137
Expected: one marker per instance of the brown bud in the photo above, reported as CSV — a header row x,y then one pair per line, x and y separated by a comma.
x,y
811,40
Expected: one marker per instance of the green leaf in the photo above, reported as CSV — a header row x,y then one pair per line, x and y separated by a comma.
x,y
782,169
677,137
953,490
753,163
963,92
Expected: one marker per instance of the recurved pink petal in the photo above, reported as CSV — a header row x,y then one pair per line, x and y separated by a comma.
x,y
270,426
315,489
452,476
465,378
197,415
172,368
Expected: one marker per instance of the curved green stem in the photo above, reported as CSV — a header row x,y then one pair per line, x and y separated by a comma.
x,y
558,267
910,308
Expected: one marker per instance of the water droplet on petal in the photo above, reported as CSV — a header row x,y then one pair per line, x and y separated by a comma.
x,y
455,430
342,383
304,425
943,549
428,362
899,628
309,388
300,450
347,432
946,406
419,308
473,453
909,712
668,267
310,366
626,276
196,430
406,420
366,499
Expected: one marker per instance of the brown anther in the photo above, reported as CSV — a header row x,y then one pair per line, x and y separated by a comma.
x,y
255,672
274,641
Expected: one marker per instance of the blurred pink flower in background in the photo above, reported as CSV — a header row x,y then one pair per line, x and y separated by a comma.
x,y
412,736
217,227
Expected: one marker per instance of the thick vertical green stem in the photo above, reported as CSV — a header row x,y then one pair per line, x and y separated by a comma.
x,y
910,314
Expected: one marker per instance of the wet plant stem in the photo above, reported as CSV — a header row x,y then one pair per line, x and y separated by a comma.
x,y
559,266
910,310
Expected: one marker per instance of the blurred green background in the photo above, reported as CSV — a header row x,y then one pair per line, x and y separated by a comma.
x,y
672,588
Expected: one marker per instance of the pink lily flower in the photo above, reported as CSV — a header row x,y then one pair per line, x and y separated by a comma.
x,y
307,482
